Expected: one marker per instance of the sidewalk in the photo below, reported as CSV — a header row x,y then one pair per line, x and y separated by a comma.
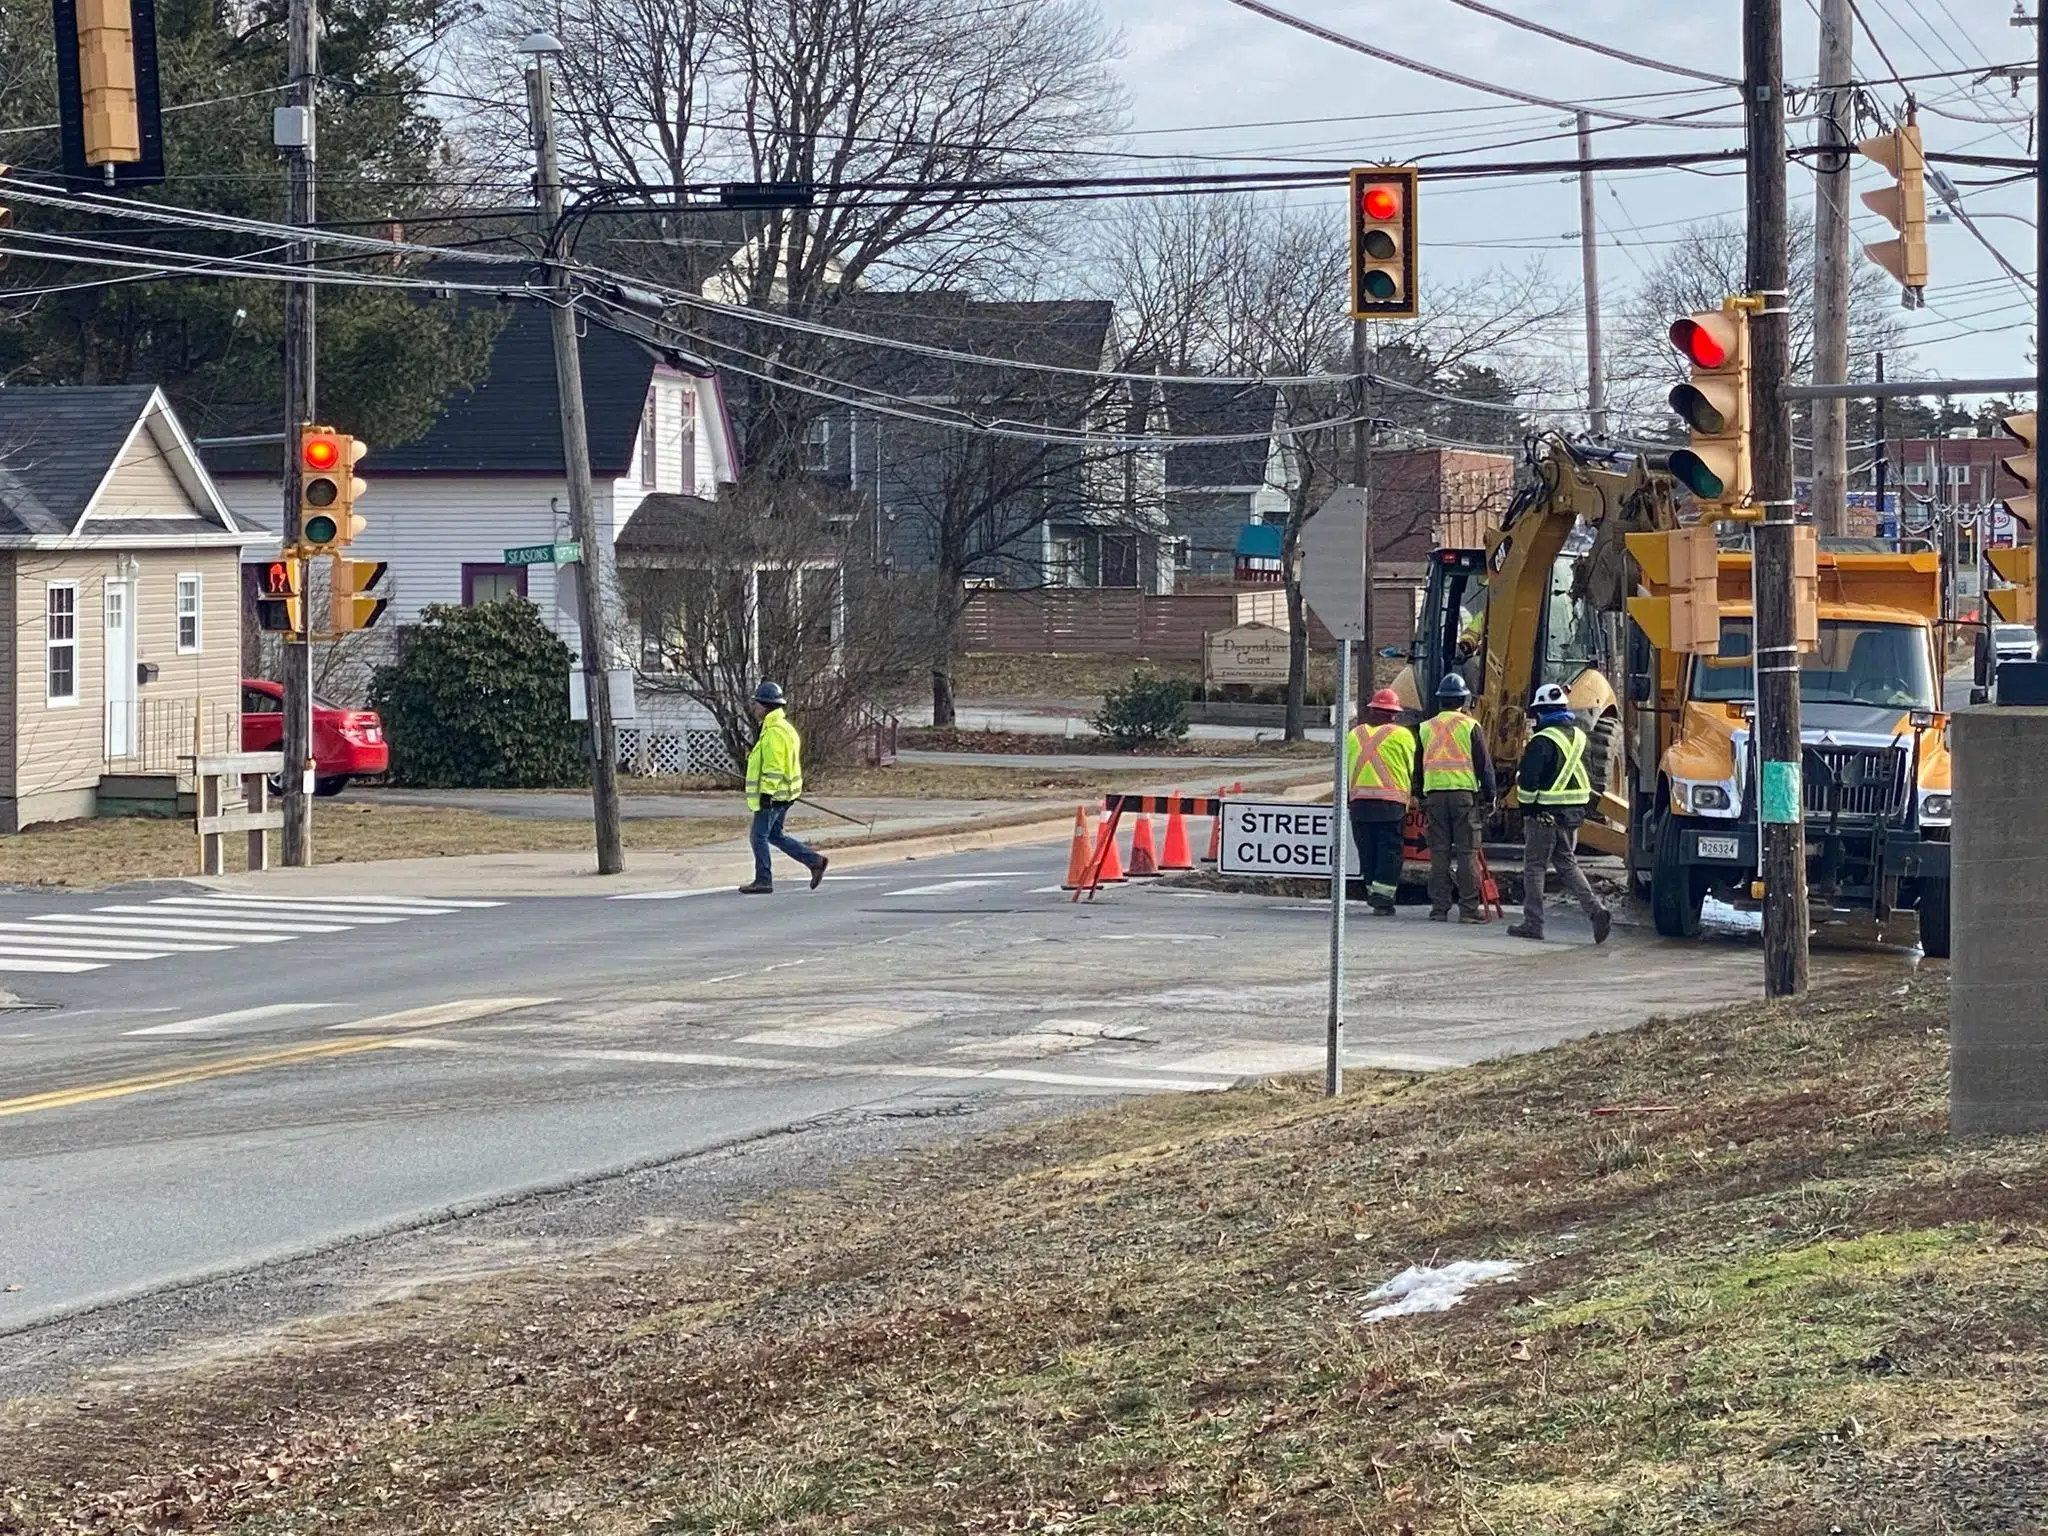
x,y
905,829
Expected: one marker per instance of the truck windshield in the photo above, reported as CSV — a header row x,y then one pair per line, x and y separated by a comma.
x,y
1857,662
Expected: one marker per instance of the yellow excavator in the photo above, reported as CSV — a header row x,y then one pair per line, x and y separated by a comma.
x,y
1546,602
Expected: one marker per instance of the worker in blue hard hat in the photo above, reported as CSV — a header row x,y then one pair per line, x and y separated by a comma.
x,y
1555,786
1457,782
775,782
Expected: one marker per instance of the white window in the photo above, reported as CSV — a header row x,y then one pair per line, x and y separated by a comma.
x,y
188,614
1958,474
688,402
817,445
650,445
1916,474
60,642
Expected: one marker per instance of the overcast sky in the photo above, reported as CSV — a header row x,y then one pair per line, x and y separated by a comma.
x,y
1208,79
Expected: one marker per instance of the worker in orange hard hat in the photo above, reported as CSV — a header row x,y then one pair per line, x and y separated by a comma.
x,y
1381,758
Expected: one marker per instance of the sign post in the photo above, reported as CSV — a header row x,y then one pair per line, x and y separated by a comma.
x,y
1333,578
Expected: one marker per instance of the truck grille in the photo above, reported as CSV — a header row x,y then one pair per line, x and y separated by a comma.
x,y
1864,782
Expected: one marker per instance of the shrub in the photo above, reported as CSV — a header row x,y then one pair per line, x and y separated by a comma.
x,y
479,699
1146,710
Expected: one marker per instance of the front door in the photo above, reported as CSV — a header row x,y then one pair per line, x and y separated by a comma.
x,y
120,669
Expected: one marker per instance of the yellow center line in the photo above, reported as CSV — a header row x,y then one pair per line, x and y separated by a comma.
x,y
61,1098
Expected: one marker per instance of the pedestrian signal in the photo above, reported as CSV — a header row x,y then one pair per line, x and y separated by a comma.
x,y
280,607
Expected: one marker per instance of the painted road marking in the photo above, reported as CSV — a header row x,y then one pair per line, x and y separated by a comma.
x,y
235,1066
843,1026
701,890
61,966
99,938
213,1022
325,904
208,906
142,927
942,888
252,922
71,952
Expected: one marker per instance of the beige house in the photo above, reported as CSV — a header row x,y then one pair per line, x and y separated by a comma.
x,y
120,601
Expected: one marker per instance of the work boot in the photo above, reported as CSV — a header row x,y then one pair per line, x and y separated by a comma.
x,y
1603,924
1524,930
1439,917
818,871
1383,909
757,888
1474,915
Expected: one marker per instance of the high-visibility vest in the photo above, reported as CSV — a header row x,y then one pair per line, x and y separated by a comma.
x,y
775,769
1573,784
1447,761
1382,762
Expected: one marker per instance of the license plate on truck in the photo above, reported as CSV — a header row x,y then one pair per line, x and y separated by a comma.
x,y
1720,847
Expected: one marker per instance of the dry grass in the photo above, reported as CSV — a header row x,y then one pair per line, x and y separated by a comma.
x,y
1044,676
1785,1305
116,849
929,739
913,782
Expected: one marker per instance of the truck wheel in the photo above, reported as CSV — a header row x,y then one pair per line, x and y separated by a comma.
x,y
1934,918
1676,891
1603,753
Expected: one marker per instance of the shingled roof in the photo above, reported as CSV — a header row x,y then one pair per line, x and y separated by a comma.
x,y
1218,409
56,446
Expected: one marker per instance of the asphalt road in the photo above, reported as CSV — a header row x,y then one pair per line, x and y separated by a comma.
x,y
195,1085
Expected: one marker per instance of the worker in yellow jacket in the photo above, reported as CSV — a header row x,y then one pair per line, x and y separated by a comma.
x,y
775,782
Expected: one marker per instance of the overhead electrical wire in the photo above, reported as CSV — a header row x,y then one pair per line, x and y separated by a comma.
x,y
1590,46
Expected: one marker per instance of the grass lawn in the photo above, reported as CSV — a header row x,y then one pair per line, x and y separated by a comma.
x,y
1760,1293
113,849
912,782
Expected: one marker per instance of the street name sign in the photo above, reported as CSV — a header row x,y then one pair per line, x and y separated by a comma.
x,y
1279,837
545,554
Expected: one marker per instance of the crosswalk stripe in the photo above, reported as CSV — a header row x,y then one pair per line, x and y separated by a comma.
x,y
10,964
213,1022
702,890
942,888
143,927
395,903
66,950
100,938
324,904
203,904
251,921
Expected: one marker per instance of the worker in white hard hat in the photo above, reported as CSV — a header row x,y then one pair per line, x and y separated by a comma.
x,y
1556,786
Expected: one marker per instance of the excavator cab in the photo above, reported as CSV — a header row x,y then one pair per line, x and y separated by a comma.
x,y
1451,634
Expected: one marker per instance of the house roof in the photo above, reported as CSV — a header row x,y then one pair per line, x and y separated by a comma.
x,y
59,448
1194,410
510,423
658,522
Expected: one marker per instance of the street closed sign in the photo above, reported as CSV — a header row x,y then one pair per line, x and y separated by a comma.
x,y
1278,837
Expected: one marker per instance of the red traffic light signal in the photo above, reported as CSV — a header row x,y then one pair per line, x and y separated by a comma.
x,y
1705,343
1381,203
1383,243
321,451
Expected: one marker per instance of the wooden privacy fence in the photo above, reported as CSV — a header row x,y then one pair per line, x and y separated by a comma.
x,y
1120,621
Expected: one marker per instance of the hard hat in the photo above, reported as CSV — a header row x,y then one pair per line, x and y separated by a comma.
x,y
1453,687
769,693
1387,700
1550,696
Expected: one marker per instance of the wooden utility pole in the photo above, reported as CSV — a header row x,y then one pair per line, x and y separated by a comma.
x,y
297,140
1831,270
1776,649
1589,267
604,766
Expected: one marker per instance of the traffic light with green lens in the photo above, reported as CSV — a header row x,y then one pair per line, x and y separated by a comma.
x,y
328,488
1383,243
2015,603
1714,403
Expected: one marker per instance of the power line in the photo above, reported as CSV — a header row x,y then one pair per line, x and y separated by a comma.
x,y
1592,47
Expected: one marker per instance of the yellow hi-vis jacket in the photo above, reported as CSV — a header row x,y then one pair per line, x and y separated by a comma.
x,y
775,768
1381,762
1447,760
1573,782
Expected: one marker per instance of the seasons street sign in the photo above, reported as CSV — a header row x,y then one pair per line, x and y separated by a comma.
x,y
545,554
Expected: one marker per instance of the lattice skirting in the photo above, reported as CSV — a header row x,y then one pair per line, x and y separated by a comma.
x,y
665,751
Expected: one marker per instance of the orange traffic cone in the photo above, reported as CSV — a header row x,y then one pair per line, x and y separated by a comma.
x,y
1109,867
1216,830
1077,856
1144,857
1175,854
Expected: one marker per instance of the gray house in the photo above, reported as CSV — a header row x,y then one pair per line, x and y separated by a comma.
x,y
1214,490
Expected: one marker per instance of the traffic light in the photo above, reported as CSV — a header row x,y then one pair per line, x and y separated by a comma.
x,y
1904,205
1383,247
106,82
1682,569
2015,563
1714,403
328,488
352,605
1805,586
280,610
110,130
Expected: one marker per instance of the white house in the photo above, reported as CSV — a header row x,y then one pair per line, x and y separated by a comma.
x,y
488,476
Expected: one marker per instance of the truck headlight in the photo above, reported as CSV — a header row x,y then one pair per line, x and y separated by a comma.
x,y
1934,807
1709,797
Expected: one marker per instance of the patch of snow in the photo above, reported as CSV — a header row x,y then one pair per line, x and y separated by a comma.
x,y
1435,1287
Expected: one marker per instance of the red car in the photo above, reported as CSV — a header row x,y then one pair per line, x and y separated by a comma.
x,y
347,743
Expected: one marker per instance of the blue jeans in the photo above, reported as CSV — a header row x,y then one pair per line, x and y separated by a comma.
x,y
767,829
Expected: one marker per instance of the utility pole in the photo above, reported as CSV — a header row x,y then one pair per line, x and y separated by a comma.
x,y
1781,800
540,47
1884,452
2040,306
1589,264
1831,271
1361,472
294,133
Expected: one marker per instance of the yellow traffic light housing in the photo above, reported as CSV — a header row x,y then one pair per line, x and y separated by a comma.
x,y
1714,404
328,488
280,605
1383,243
1682,569
1904,206
2022,467
2017,603
352,605
2014,602
106,82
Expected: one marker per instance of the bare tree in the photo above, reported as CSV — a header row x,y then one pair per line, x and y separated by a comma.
x,y
763,584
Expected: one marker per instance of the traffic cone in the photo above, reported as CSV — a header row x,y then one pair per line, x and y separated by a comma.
x,y
1077,856
1111,868
1216,829
1175,854
1144,858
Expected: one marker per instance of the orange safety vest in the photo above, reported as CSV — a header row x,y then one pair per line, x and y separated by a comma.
x,y
1447,758
1382,762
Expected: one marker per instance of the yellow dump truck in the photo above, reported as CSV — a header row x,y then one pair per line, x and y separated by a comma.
x,y
1875,762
